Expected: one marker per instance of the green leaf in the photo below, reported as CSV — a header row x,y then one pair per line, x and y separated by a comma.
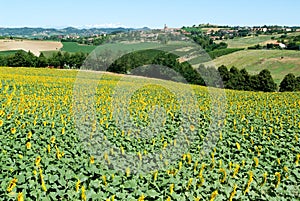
x,y
130,184
53,178
152,193
62,182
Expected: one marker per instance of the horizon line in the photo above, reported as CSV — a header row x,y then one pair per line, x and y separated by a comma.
x,y
128,27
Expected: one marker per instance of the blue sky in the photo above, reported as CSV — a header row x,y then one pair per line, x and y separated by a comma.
x,y
151,13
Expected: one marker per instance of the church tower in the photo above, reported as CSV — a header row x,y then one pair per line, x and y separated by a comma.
x,y
165,27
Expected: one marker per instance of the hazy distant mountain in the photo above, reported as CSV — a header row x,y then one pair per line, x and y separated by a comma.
x,y
43,32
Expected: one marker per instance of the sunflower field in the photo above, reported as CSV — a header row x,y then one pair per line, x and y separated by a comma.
x,y
50,151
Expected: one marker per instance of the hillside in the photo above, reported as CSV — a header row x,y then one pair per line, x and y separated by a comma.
x,y
279,62
248,41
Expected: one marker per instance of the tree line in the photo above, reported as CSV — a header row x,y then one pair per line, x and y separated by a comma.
x,y
153,63
57,60
232,78
236,79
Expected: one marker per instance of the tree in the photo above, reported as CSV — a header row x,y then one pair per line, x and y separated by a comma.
x,y
17,60
41,60
3,61
236,79
254,83
30,60
246,78
288,83
224,74
66,58
266,82
297,86
55,59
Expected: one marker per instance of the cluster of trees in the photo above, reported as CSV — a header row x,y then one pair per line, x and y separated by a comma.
x,y
57,60
290,83
207,43
293,42
88,40
267,46
221,77
221,52
237,79
153,63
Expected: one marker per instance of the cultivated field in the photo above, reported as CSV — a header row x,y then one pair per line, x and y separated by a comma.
x,y
248,41
29,45
74,47
279,62
56,146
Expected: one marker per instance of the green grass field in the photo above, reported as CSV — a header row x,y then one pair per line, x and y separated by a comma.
x,y
248,41
279,62
8,52
49,53
75,47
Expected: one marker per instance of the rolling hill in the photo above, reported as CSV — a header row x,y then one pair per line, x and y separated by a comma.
x,y
279,62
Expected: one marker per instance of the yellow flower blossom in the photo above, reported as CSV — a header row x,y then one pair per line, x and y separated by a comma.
x,y
155,175
127,171
48,148
13,130
172,189
232,194
277,174
77,185
83,196
20,196
264,178
213,195
236,170
12,184
37,161
192,127
92,160
52,139
141,198
223,171
249,182
29,135
28,145
256,161
238,146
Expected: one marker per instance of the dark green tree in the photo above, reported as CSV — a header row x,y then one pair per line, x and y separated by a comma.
x,y
288,83
17,60
41,61
246,80
224,74
254,83
30,60
236,79
266,82
297,86
3,61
